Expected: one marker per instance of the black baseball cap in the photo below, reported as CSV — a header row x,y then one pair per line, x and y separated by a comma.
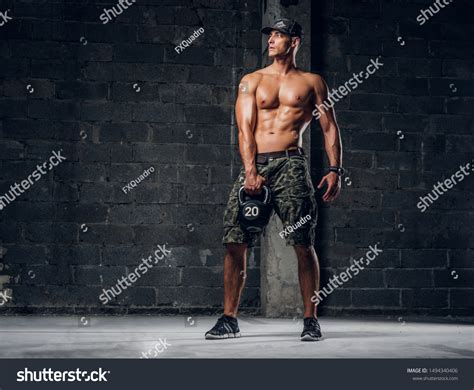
x,y
286,26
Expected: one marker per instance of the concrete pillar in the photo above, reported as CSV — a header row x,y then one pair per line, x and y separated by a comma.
x,y
280,295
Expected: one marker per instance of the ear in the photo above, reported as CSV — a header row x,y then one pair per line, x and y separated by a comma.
x,y
295,41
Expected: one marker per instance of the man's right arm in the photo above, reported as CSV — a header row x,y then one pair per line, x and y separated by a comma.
x,y
246,112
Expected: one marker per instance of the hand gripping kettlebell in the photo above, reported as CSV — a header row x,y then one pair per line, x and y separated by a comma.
x,y
254,210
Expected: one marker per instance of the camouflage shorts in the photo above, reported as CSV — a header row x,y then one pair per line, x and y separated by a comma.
x,y
292,197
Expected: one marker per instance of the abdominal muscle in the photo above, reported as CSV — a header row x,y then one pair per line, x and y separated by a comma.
x,y
277,130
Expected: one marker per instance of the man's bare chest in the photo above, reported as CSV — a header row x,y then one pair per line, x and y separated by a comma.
x,y
271,93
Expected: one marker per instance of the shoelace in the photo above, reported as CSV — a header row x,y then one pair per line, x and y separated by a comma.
x,y
313,323
220,324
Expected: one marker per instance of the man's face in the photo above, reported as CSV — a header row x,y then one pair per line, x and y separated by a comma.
x,y
279,44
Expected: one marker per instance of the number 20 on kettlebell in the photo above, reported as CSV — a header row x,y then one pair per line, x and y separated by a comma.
x,y
254,210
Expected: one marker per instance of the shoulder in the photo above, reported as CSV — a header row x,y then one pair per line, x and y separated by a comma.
x,y
253,77
315,80
250,81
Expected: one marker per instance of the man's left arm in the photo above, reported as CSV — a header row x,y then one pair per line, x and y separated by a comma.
x,y
332,140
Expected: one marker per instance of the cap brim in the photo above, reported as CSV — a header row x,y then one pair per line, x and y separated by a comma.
x,y
268,30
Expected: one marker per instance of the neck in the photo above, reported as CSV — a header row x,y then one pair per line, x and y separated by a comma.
x,y
283,65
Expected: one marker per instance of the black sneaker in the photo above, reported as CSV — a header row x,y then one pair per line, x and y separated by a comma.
x,y
226,327
311,330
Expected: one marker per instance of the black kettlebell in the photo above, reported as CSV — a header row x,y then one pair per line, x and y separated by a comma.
x,y
254,210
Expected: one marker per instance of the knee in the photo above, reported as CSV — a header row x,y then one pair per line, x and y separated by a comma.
x,y
304,252
236,250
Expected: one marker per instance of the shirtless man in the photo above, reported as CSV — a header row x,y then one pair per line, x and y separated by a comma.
x,y
273,109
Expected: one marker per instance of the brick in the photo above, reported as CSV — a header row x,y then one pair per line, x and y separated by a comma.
x,y
445,87
460,258
26,254
411,49
408,278
378,102
157,234
123,132
98,276
143,53
426,298
82,213
105,111
462,106
462,298
368,10
371,141
54,109
130,92
47,232
157,153
458,68
110,234
451,124
29,212
339,298
426,258
371,180
210,154
404,161
152,112
359,199
376,298
420,66
406,123
70,255
136,296
83,90
421,105
451,49
367,121
11,108
46,275
158,276
210,75
453,278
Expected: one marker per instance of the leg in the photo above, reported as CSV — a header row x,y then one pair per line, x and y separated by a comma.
x,y
308,274
234,280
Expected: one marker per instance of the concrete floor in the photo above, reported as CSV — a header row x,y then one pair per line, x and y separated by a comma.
x,y
128,337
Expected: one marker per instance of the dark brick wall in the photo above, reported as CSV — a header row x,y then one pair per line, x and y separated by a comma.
x,y
181,123
84,102
425,90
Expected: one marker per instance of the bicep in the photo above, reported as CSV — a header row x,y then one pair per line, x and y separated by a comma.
x,y
327,116
246,109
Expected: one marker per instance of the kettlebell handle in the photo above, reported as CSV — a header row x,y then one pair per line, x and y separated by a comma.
x,y
264,188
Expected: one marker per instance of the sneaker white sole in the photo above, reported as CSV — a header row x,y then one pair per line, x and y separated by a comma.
x,y
224,336
308,337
